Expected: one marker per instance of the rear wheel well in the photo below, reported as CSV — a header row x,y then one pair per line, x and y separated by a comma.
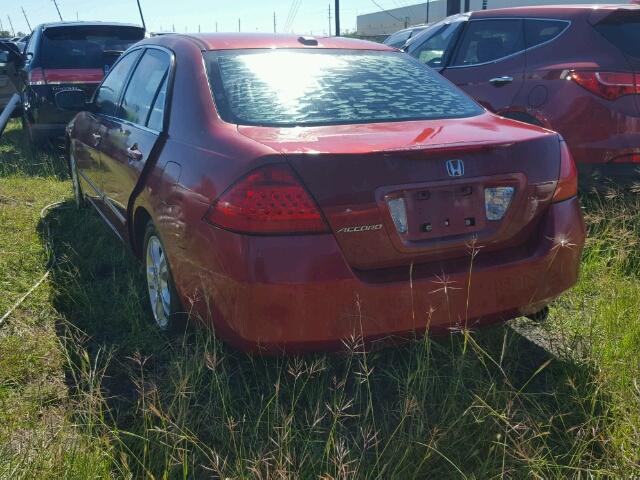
x,y
140,219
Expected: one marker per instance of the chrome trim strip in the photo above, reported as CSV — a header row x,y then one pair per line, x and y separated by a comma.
x,y
568,22
105,218
115,211
89,182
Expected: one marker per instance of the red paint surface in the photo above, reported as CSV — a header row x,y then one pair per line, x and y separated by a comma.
x,y
312,291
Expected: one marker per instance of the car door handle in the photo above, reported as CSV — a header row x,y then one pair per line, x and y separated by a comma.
x,y
133,153
96,139
500,81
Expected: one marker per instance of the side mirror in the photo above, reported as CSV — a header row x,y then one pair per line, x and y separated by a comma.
x,y
74,100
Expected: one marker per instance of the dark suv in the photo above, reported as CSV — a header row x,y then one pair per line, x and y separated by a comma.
x,y
67,56
573,69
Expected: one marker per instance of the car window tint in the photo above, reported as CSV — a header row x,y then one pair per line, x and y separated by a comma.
x,y
432,51
91,46
623,31
398,39
109,92
328,87
489,40
541,31
157,113
143,86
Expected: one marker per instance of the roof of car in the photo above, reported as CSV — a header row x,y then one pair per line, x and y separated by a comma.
x,y
87,24
551,10
233,41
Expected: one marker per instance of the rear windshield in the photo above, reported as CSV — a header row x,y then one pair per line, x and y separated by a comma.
x,y
624,32
86,47
325,87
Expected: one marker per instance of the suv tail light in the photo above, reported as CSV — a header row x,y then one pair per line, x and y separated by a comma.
x,y
269,200
567,186
609,85
36,77
57,76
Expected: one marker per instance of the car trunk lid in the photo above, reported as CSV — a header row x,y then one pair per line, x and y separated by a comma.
x,y
355,172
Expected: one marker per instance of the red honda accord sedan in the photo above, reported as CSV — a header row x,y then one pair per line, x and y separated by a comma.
x,y
291,192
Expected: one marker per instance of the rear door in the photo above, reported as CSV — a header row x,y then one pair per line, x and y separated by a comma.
x,y
90,129
130,137
489,61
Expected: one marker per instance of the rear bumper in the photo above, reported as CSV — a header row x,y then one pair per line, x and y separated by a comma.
x,y
608,174
298,293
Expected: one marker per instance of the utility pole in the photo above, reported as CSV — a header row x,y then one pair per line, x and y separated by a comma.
x,y
199,28
329,18
216,27
173,27
13,32
239,26
337,14
274,22
25,17
56,4
144,25
427,12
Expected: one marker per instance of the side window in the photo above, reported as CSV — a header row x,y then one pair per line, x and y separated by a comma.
x,y
144,85
433,50
489,40
540,31
157,113
107,96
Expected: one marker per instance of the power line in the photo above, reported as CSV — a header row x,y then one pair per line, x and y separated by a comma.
x,y
291,7
294,14
386,11
144,25
25,17
59,14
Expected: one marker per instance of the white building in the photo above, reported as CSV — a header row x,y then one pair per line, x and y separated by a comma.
x,y
382,23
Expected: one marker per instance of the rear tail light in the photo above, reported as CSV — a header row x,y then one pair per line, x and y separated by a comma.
x,y
567,186
631,158
609,85
57,76
36,77
269,200
497,201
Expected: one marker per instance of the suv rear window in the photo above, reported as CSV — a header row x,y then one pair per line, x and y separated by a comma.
x,y
87,46
623,31
290,87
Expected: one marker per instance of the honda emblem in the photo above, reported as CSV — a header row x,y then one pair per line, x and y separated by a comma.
x,y
455,168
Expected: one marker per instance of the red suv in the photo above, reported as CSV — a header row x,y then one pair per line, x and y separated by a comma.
x,y
573,69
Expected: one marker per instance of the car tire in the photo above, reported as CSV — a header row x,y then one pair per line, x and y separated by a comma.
x,y
163,296
34,140
78,194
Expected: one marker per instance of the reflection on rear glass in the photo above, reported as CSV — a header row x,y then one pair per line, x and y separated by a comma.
x,y
296,87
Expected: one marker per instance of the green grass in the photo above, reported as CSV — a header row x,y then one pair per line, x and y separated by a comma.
x,y
90,389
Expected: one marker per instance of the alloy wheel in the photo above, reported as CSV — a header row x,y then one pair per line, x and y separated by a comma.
x,y
158,282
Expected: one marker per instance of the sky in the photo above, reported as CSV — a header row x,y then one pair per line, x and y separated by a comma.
x,y
312,16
